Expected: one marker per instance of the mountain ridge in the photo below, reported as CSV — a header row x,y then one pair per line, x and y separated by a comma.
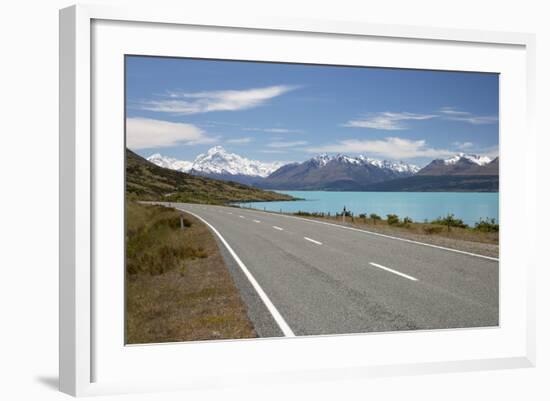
x,y
147,181
342,172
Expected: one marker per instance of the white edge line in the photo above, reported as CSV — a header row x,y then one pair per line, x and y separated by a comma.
x,y
277,228
386,236
287,331
312,240
393,271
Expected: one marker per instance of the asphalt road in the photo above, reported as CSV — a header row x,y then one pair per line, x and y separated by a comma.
x,y
323,279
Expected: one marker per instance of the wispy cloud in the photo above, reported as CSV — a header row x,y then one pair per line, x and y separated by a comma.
x,y
209,101
275,130
142,133
390,147
275,151
454,114
246,139
286,144
463,145
387,120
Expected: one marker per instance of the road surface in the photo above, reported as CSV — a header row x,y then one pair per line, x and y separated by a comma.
x,y
301,277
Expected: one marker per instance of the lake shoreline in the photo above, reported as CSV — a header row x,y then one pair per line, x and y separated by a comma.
x,y
418,206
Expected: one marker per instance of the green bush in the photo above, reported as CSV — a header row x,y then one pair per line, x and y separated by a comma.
x,y
393,219
487,226
375,217
450,221
407,220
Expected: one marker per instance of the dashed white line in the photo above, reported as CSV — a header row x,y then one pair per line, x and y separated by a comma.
x,y
256,221
242,217
410,241
285,328
229,213
312,240
393,271
277,228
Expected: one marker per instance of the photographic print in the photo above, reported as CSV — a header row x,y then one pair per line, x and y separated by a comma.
x,y
270,199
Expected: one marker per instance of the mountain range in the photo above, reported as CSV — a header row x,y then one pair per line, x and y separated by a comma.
x,y
219,164
148,181
461,172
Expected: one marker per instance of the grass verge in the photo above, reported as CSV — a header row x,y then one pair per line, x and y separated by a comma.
x,y
461,238
177,285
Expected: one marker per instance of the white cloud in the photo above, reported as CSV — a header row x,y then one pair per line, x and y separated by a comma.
x,y
208,101
246,139
390,147
142,133
463,145
386,120
286,144
275,130
453,114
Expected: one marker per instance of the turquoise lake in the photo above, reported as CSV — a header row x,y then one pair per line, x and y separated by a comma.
x,y
420,206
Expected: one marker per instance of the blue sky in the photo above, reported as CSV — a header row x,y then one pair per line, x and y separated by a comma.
x,y
291,112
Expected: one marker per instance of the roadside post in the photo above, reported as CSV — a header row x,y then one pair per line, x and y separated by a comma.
x,y
182,226
344,215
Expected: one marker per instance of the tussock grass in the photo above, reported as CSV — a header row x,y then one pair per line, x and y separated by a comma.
x,y
485,232
177,285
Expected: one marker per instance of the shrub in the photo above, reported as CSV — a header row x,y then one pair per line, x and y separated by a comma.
x,y
393,219
309,214
487,226
362,215
450,221
375,217
407,220
432,229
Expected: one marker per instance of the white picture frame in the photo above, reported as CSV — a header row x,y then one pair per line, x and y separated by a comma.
x,y
80,216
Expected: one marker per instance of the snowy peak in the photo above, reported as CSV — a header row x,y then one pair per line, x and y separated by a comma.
x,y
479,160
218,161
462,164
170,162
395,166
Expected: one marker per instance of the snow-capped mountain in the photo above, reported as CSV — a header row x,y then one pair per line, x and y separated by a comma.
x,y
397,166
339,172
221,164
479,160
218,161
170,162
462,164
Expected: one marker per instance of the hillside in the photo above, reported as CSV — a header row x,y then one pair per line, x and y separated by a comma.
x,y
461,165
147,181
337,173
439,183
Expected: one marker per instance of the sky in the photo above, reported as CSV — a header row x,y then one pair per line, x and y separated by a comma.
x,y
181,107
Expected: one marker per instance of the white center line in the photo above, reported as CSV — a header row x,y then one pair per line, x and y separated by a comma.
x,y
242,217
256,221
312,240
277,228
229,213
393,271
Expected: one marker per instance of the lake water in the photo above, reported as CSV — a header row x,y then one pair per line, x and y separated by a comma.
x,y
420,206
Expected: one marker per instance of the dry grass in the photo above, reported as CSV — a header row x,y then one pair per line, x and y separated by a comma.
x,y
425,229
177,285
466,239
